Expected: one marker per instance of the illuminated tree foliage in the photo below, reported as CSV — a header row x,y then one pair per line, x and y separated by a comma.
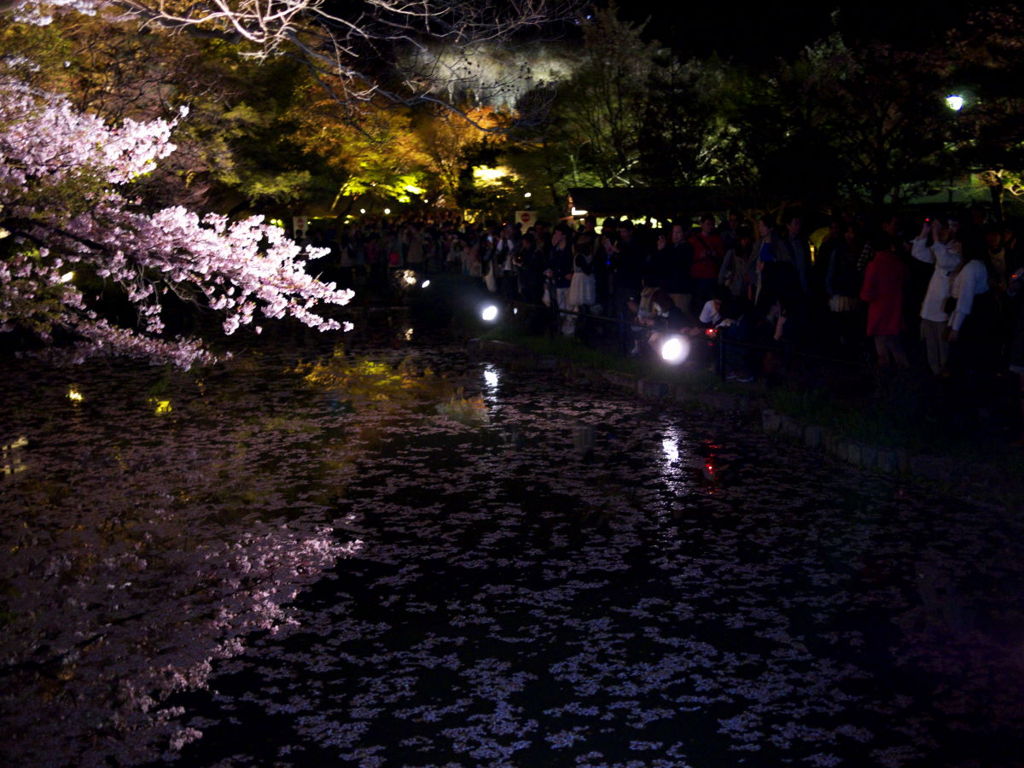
x,y
367,148
601,107
366,47
881,113
689,133
983,64
234,152
451,142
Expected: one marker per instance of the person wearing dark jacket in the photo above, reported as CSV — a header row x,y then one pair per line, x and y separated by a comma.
x,y
678,260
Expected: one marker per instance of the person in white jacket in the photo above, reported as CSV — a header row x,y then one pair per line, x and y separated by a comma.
x,y
973,350
945,253
970,283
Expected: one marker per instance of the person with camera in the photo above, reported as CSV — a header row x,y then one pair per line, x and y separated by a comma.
x,y
937,245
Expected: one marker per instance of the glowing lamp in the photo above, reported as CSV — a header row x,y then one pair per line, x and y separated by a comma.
x,y
955,102
674,350
426,284
489,313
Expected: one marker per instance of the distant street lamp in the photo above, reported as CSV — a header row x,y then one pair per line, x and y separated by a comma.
x,y
954,102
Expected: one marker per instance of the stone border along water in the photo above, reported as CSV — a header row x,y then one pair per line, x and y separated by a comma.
x,y
944,470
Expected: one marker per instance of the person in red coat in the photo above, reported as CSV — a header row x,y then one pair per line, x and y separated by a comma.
x,y
708,254
882,289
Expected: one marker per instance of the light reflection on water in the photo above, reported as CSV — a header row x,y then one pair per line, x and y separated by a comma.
x,y
492,379
11,456
675,455
670,445
673,462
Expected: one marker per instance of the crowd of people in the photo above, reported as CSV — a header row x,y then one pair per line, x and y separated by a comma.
x,y
937,292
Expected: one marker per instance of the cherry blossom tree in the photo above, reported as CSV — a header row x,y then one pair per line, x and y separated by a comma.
x,y
71,214
67,219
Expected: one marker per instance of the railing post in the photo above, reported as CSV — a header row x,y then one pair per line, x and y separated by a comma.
x,y
721,355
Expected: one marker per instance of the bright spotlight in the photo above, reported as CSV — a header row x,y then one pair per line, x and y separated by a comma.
x,y
426,284
489,313
675,349
387,211
955,102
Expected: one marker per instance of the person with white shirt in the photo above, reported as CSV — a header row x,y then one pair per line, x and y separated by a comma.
x,y
944,253
972,351
970,283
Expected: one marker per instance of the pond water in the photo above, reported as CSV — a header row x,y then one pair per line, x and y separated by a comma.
x,y
400,556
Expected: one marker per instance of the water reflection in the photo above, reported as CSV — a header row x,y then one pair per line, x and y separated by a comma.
x,y
675,601
492,379
365,380
675,459
670,446
10,456
160,407
673,448
224,514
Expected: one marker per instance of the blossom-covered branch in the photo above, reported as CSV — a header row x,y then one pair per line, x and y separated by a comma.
x,y
64,208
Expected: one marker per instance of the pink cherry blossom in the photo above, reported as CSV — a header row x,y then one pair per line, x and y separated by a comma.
x,y
64,207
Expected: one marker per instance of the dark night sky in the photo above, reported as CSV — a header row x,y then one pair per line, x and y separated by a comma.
x,y
746,33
